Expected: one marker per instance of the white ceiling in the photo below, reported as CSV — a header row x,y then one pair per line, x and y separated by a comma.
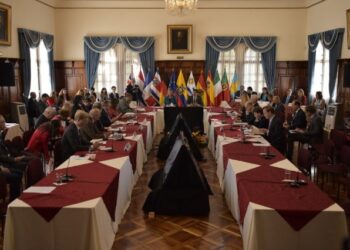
x,y
159,4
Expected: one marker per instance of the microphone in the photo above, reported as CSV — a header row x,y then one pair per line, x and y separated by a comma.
x,y
67,177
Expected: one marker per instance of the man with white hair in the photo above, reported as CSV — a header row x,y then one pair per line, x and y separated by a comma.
x,y
46,116
91,130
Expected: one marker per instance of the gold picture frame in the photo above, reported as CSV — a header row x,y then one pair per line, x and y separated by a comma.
x,y
348,26
5,24
179,39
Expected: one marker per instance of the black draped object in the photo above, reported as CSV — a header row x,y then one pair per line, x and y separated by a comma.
x,y
180,188
169,139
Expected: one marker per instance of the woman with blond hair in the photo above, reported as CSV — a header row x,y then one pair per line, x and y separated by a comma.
x,y
301,97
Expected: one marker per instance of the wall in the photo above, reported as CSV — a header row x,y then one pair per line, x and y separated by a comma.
x,y
28,14
329,15
287,24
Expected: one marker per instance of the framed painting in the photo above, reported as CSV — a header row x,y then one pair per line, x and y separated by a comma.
x,y
5,24
179,39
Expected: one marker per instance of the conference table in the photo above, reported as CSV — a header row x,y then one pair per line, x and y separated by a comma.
x,y
256,181
84,213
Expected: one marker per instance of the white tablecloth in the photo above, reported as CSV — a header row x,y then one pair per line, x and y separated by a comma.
x,y
86,225
13,130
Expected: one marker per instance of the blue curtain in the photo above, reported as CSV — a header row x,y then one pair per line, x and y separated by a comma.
x,y
331,40
267,47
31,39
313,42
94,46
214,45
264,45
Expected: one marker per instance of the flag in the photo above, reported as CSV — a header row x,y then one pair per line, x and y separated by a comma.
x,y
155,86
140,81
147,96
210,90
191,84
163,92
181,90
217,88
202,88
225,87
234,85
131,76
172,83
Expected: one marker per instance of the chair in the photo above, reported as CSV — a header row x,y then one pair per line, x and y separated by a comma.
x,y
17,146
57,151
339,139
305,161
3,203
26,136
34,172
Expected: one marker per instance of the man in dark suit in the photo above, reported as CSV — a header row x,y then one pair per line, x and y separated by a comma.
x,y
312,134
32,109
114,96
260,121
72,140
298,118
42,104
274,132
239,92
91,130
288,98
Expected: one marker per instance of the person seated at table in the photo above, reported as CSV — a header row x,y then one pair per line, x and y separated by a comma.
x,y
92,130
274,133
313,133
254,100
114,96
170,99
248,115
72,140
278,107
42,104
320,104
87,103
124,104
264,95
244,100
46,116
112,110
260,121
298,118
41,139
239,92
13,177
62,97
64,119
288,97
249,91
301,97
77,105
196,98
6,158
103,95
32,109
269,99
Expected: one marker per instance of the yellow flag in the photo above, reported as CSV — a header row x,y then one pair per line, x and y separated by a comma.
x,y
181,83
210,90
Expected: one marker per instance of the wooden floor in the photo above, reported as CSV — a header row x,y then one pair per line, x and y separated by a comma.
x,y
217,231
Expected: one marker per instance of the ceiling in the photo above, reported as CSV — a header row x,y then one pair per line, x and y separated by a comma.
x,y
159,4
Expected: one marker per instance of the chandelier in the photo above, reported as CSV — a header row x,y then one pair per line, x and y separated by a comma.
x,y
180,7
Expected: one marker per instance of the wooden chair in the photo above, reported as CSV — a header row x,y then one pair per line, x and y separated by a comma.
x,y
34,172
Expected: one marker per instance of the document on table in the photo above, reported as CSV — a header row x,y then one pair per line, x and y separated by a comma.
x,y
40,190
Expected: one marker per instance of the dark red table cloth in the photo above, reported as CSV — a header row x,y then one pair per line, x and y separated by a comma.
x,y
91,181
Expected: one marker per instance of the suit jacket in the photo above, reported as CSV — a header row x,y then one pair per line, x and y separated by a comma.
x,y
262,123
91,131
42,106
114,96
104,119
314,131
275,134
249,118
170,100
42,119
284,99
5,157
123,106
299,120
72,142
32,108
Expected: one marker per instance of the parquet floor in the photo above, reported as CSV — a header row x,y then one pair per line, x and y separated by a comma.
x,y
217,231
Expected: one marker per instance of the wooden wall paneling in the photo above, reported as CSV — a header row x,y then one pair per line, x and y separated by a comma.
x,y
343,94
14,93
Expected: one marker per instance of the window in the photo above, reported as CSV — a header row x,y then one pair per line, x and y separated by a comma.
x,y
247,63
115,67
40,82
253,73
227,60
320,79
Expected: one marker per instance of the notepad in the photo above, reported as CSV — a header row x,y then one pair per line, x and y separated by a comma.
x,y
40,190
